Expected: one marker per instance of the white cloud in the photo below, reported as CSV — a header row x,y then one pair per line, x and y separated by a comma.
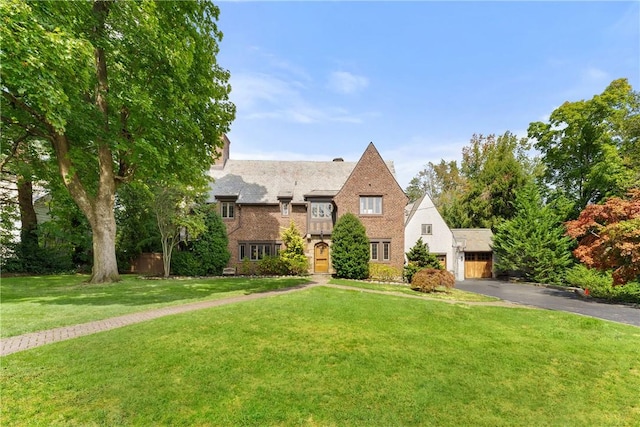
x,y
346,83
259,96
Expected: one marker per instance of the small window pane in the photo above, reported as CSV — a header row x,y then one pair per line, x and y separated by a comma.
x,y
426,229
386,247
374,251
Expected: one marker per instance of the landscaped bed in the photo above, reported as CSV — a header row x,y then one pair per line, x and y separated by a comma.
x,y
327,356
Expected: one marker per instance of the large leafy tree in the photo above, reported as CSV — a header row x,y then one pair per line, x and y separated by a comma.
x,y
590,148
533,242
493,168
609,237
350,248
121,90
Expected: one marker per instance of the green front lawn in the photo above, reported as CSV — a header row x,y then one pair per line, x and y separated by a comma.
x,y
331,357
36,303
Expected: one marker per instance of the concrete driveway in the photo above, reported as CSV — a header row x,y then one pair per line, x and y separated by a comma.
x,y
552,299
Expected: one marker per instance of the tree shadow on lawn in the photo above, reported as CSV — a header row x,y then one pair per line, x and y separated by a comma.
x,y
136,291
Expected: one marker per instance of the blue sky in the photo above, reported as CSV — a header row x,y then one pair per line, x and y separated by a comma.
x,y
318,80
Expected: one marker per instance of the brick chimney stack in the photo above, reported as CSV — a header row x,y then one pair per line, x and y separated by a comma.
x,y
222,153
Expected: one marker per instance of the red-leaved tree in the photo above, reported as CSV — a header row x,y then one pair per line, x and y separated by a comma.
x,y
609,237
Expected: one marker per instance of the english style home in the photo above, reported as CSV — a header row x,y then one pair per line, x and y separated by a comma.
x,y
257,198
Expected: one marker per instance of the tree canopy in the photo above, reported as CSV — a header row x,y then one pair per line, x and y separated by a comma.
x,y
609,236
590,148
120,91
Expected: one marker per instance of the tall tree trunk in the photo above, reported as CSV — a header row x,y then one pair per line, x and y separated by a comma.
x,y
103,227
28,218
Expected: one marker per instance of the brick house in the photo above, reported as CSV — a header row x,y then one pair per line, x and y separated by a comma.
x,y
257,198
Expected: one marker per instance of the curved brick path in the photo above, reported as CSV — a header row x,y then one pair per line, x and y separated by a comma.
x,y
36,339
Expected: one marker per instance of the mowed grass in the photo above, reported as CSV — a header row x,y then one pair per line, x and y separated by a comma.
x,y
405,289
332,357
37,303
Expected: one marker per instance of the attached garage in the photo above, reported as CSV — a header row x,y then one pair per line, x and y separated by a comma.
x,y
477,265
474,246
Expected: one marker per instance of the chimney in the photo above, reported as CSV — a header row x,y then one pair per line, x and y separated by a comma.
x,y
222,153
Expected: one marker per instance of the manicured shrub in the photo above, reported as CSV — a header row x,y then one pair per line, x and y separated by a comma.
x,y
298,265
384,273
600,285
247,267
185,263
273,266
430,279
350,248
211,249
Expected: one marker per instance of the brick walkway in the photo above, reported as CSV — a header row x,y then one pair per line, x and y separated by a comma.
x,y
36,339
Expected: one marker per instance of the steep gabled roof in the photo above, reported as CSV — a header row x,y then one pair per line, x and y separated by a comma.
x,y
268,181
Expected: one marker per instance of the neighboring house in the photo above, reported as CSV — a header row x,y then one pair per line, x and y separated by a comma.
x,y
465,252
478,253
257,198
424,220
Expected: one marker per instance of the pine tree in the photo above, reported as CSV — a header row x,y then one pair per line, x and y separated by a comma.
x,y
212,247
533,243
350,248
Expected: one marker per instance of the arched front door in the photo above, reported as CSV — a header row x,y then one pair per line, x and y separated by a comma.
x,y
321,258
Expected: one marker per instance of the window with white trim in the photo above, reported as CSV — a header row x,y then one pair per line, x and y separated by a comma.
x,y
227,209
321,210
284,208
374,251
380,250
427,229
371,205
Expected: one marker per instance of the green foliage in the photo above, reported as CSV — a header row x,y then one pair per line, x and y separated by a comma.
x,y
122,91
418,258
271,265
185,263
533,243
293,252
384,273
496,168
247,267
34,259
350,248
430,279
137,230
211,248
587,145
599,284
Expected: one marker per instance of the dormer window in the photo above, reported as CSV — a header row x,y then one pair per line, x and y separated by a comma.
x,y
284,208
227,210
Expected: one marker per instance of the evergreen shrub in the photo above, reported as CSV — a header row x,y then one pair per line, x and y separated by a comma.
x,y
350,248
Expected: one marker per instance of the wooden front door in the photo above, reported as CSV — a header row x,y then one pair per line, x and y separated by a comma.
x,y
321,258
477,265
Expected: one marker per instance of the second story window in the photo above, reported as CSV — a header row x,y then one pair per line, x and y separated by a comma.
x,y
227,209
284,208
371,205
426,229
321,210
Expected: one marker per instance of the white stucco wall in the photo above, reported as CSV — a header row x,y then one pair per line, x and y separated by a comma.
x,y
440,240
